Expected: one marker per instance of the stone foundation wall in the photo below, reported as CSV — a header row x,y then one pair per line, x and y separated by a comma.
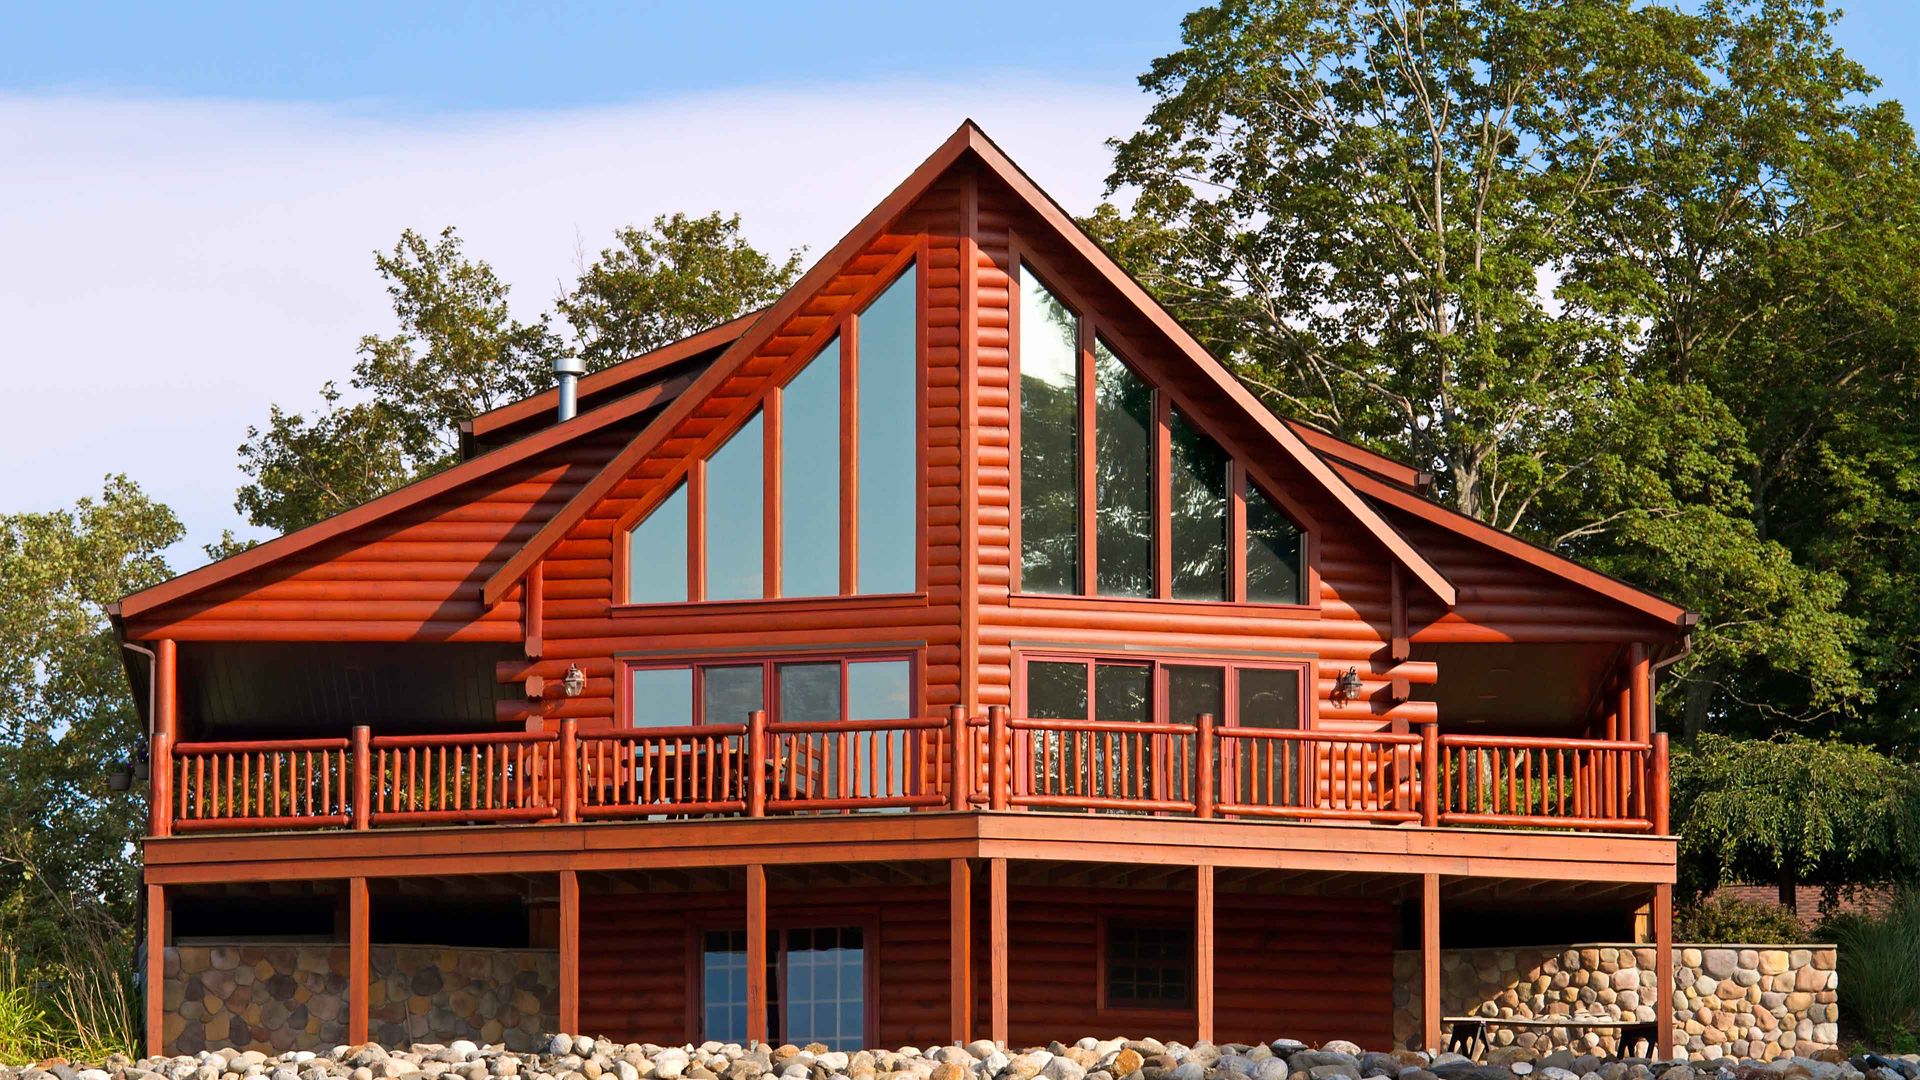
x,y
1761,1001
283,997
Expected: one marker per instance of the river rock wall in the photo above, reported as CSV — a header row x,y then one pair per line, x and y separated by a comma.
x,y
1760,1001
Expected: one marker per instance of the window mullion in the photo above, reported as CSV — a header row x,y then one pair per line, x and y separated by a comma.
x,y
1236,531
1089,513
1162,497
697,530
771,484
849,454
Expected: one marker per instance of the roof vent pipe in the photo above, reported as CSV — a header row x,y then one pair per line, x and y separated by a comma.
x,y
569,369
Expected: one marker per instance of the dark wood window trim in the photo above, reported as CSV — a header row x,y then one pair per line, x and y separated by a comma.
x,y
1092,328
692,468
779,921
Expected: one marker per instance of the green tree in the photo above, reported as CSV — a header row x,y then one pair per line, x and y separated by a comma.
x,y
1793,810
1602,266
459,352
677,278
69,716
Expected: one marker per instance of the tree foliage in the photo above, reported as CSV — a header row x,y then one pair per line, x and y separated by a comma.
x,y
70,715
1637,282
1793,810
458,351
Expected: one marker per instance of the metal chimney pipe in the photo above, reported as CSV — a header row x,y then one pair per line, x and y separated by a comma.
x,y
569,369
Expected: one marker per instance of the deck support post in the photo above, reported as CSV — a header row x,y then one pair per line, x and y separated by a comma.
x,y
359,959
156,987
1203,951
570,952
1640,693
166,700
997,1012
1663,971
960,949
1430,961
757,953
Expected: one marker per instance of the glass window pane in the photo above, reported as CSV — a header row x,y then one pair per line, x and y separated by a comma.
x,y
889,428
1056,691
1149,966
728,694
736,516
1122,692
661,697
1195,690
1269,698
810,478
826,988
1199,491
809,692
657,553
879,690
1273,553
1123,476
724,986
1049,441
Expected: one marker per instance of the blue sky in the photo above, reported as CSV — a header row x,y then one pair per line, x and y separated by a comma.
x,y
192,193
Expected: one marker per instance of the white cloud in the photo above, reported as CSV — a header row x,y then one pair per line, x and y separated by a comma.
x,y
169,267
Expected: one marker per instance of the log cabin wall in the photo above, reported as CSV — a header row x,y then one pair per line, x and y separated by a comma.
x,y
1315,968
415,576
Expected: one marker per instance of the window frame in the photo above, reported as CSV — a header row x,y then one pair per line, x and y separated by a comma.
x,y
865,918
766,400
625,666
1106,1009
1166,397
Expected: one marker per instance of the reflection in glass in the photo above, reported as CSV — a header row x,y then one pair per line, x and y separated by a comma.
x,y
736,516
661,697
826,987
728,694
1271,772
1056,691
1190,692
810,478
1149,966
889,423
657,553
1199,492
723,982
1123,692
809,692
1049,441
1273,553
1122,763
879,690
1269,698
1123,476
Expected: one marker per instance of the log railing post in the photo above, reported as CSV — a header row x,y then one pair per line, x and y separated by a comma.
x,y
1431,778
362,776
1657,787
165,718
1203,767
960,759
569,770
1000,779
756,767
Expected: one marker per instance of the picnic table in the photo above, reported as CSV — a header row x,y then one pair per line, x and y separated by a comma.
x,y
1468,1034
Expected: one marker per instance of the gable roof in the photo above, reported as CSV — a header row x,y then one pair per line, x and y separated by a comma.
x,y
393,502
967,140
1401,498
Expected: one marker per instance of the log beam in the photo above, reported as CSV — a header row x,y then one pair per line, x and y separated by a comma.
x,y
156,988
960,945
757,953
998,1013
1203,953
1430,961
570,952
359,959
1663,971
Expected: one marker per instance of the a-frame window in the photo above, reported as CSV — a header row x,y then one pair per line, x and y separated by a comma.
x,y
1122,494
817,493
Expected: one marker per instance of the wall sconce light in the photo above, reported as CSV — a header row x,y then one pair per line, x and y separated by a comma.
x,y
1347,687
575,682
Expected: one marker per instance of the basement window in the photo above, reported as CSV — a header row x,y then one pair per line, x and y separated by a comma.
x,y
1146,965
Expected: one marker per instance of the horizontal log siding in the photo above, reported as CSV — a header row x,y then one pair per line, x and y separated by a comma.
x,y
636,977
581,626
415,576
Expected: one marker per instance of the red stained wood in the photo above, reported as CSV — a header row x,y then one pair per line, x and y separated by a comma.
x,y
1430,961
359,959
569,951
155,988
960,956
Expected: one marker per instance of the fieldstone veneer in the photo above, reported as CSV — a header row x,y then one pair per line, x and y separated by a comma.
x,y
282,997
1761,1001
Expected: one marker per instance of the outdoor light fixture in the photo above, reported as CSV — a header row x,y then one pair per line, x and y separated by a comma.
x,y
575,682
1347,687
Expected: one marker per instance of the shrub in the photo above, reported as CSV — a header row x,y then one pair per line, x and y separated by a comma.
x,y
1879,965
1729,920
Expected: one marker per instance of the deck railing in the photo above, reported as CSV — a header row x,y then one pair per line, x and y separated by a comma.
x,y
995,762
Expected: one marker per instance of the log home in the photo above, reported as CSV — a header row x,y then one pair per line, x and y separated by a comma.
x,y
952,649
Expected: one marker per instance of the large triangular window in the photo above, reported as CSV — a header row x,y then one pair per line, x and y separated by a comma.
x,y
1121,493
817,493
